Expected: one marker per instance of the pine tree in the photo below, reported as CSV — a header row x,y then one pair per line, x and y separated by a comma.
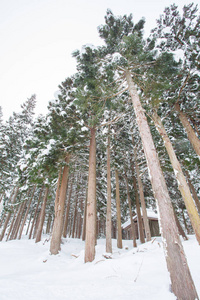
x,y
133,55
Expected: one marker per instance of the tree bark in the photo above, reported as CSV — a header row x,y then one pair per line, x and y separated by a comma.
x,y
108,212
90,239
49,223
42,217
84,220
139,217
180,229
194,193
182,183
195,142
67,211
142,200
36,210
59,212
18,220
26,214
75,215
174,252
119,226
12,224
130,213
9,215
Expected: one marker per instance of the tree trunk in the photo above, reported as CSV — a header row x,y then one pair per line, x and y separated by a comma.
x,y
42,217
29,222
142,200
35,215
67,211
194,193
26,214
195,142
139,217
84,220
75,215
18,220
59,212
58,189
49,223
184,221
108,212
119,226
180,229
174,252
130,213
182,183
90,239
12,224
9,215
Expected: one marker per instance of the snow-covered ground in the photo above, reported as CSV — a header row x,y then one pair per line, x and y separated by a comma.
x,y
29,272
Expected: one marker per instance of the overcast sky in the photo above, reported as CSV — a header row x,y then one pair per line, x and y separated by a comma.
x,y
37,38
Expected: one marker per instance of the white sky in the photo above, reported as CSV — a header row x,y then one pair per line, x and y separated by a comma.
x,y
38,36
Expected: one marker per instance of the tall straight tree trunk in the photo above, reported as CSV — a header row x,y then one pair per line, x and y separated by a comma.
x,y
194,193
75,215
182,283
58,189
139,217
180,229
182,183
84,220
49,223
67,211
142,200
42,217
119,226
195,142
26,214
18,220
90,238
12,224
35,214
13,199
108,212
29,222
130,213
59,211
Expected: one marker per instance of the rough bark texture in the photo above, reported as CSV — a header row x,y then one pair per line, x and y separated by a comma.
x,y
26,214
108,212
119,226
35,214
180,229
142,200
67,211
130,213
182,283
18,221
59,211
139,217
195,142
9,214
194,193
75,215
41,217
182,183
12,224
90,238
84,220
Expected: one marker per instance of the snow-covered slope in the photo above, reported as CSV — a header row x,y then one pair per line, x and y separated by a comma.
x,y
28,271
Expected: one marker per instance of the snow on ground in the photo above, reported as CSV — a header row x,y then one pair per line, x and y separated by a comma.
x,y
28,271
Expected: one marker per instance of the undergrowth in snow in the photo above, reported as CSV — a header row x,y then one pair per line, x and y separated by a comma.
x,y
28,271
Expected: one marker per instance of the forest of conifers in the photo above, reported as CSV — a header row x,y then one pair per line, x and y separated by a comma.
x,y
121,136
